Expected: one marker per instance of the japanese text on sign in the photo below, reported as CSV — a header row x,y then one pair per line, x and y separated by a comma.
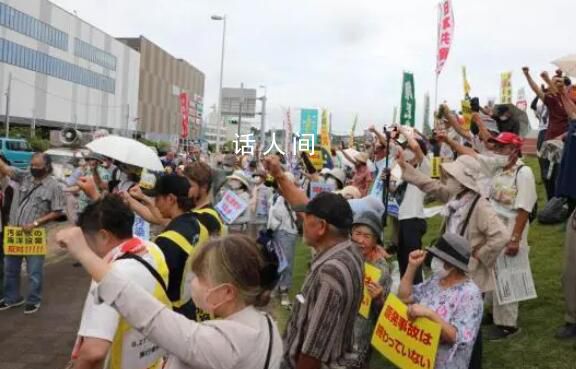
x,y
371,275
445,34
408,344
231,206
18,242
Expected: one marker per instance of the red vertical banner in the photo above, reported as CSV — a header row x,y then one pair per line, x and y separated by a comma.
x,y
185,113
445,33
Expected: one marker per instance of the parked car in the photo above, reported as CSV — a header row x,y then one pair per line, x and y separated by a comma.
x,y
18,151
64,161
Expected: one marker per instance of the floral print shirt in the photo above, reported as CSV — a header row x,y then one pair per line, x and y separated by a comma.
x,y
461,306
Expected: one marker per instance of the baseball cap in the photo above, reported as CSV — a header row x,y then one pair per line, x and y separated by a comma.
x,y
171,185
508,138
333,208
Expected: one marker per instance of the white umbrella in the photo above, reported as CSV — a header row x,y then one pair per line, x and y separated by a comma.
x,y
567,64
127,151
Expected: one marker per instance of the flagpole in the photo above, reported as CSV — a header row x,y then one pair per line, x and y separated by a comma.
x,y
437,75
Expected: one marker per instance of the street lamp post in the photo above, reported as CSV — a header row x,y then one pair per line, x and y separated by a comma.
x,y
264,98
219,112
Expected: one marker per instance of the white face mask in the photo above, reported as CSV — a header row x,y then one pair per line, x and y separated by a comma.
x,y
200,294
438,268
258,180
234,184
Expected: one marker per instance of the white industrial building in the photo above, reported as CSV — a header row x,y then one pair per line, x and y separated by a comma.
x,y
62,71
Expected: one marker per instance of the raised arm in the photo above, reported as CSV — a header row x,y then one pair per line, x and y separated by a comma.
x,y
551,86
412,144
533,85
455,146
290,191
415,260
453,122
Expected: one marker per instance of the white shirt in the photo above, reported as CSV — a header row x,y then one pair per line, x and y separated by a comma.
x,y
413,203
101,321
279,219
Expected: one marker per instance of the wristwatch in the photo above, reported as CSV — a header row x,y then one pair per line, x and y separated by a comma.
x,y
36,224
515,238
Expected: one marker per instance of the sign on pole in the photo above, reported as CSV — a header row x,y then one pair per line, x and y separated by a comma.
x,y
408,106
445,34
408,344
506,88
309,122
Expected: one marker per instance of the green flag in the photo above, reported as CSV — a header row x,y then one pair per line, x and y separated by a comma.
x,y
408,106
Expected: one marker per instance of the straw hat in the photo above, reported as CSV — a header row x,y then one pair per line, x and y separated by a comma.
x,y
465,170
361,157
239,176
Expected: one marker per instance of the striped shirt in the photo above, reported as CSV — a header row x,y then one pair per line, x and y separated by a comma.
x,y
324,313
47,198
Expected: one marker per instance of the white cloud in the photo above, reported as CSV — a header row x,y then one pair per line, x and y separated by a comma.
x,y
347,56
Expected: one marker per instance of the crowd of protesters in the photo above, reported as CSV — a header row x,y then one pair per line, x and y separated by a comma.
x,y
195,294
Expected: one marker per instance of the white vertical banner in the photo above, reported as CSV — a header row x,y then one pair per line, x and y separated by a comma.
x,y
445,34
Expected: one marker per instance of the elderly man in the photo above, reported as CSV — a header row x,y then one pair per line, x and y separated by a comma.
x,y
319,332
38,202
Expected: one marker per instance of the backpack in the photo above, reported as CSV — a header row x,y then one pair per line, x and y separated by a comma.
x,y
555,211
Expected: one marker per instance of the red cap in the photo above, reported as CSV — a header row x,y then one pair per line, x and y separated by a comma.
x,y
509,138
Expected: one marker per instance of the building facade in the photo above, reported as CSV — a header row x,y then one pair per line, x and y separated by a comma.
x,y
163,78
63,71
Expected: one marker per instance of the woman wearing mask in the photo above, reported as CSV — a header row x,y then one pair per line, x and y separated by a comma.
x,y
260,203
233,276
336,178
282,222
449,298
240,185
366,232
469,214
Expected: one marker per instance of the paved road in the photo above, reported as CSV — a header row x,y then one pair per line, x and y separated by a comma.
x,y
44,340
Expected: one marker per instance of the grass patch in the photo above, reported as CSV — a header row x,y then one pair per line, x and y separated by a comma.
x,y
535,347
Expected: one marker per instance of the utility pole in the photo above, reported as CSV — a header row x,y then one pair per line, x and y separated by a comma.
x,y
240,113
7,117
127,120
33,130
263,122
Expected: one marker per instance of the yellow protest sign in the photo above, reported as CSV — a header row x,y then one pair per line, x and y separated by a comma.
x,y
467,114
18,242
371,274
407,344
435,167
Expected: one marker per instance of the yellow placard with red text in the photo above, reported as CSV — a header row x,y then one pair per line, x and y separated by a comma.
x,y
371,274
407,344
435,167
18,242
467,114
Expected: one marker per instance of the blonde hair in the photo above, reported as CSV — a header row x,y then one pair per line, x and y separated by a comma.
x,y
241,262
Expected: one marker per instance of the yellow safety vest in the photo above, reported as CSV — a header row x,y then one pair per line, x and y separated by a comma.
x,y
215,214
188,248
129,341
